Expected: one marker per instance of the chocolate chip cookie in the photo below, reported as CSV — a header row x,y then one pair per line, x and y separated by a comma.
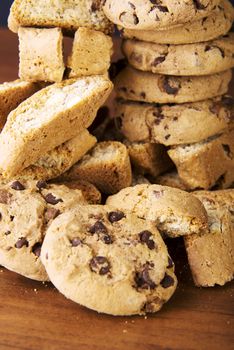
x,y
26,210
109,261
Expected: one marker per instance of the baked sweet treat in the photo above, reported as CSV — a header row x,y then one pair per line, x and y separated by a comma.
x,y
192,59
211,256
205,164
91,53
135,85
91,194
217,23
57,161
49,118
145,14
174,212
109,261
27,209
41,54
107,166
171,179
69,15
12,94
149,158
174,124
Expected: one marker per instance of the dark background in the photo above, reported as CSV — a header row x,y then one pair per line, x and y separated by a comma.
x,y
5,6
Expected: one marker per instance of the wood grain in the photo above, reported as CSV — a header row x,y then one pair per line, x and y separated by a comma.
x,y
35,316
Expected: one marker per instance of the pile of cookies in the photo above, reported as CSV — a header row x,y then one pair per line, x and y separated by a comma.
x,y
173,90
61,155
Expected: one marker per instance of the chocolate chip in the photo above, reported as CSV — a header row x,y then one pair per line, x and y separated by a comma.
x,y
0,216
98,227
167,281
227,151
12,218
143,280
171,85
51,199
41,184
199,5
209,47
51,214
167,136
170,263
21,242
18,186
75,242
5,196
158,60
145,238
36,249
143,95
158,116
7,233
107,239
115,216
95,6
135,19
100,265
136,57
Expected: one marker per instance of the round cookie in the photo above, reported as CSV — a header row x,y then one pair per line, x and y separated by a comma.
x,y
26,210
174,124
135,85
217,23
108,261
192,59
174,212
157,14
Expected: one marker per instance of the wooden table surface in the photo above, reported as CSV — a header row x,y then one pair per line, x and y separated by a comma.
x,y
35,316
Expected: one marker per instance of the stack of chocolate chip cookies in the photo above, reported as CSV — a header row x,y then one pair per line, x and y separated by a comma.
x,y
173,90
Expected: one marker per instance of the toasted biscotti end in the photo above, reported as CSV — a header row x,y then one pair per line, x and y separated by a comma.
x,y
107,166
211,255
12,94
91,53
202,165
149,158
60,159
174,212
69,15
171,179
90,192
41,54
49,118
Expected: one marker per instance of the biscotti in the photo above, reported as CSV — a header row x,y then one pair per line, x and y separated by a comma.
x,y
217,23
57,161
174,124
202,165
12,94
107,166
41,54
27,209
174,212
49,118
135,85
69,15
211,255
192,59
91,53
149,158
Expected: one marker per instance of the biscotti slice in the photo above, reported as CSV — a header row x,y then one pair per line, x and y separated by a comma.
x,y
91,53
202,165
217,23
41,54
27,209
211,255
49,118
107,166
174,212
149,158
66,14
135,85
109,261
171,179
192,59
174,124
12,94
59,160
